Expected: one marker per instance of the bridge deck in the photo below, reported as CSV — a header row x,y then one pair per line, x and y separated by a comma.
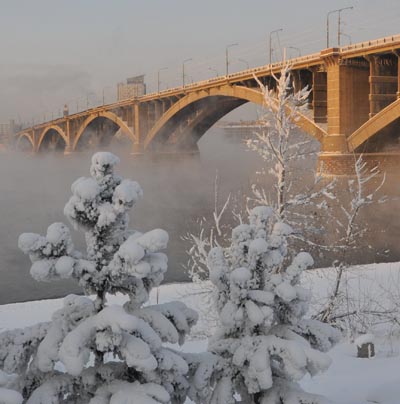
x,y
382,45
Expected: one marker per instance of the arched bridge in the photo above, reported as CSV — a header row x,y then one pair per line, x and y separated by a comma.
x,y
353,107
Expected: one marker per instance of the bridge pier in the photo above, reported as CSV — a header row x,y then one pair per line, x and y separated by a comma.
x,y
319,101
355,100
348,107
137,149
337,164
347,92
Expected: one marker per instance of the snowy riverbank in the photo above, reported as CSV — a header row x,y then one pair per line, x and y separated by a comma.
x,y
349,380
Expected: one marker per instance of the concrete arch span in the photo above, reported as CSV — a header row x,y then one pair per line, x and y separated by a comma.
x,y
47,130
203,120
378,122
235,95
108,115
25,136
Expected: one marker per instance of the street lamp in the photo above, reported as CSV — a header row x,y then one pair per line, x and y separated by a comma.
x,y
183,70
77,103
275,31
227,56
339,10
245,62
339,32
214,70
158,78
87,99
103,93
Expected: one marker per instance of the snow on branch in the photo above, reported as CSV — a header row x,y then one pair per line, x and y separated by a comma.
x,y
363,189
106,353
263,345
280,146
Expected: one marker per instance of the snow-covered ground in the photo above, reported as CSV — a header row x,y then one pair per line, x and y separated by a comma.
x,y
349,380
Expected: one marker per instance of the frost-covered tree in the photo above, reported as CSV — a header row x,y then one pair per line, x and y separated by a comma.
x,y
295,197
345,313
264,345
8,386
285,153
91,352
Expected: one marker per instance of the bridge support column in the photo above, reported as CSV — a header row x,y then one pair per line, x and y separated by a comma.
x,y
68,146
319,102
398,74
348,109
383,79
137,147
35,137
347,93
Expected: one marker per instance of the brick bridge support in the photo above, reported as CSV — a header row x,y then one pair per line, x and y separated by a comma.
x,y
355,102
348,89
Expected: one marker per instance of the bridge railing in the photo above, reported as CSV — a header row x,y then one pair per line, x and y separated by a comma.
x,y
345,50
198,84
222,79
368,44
293,61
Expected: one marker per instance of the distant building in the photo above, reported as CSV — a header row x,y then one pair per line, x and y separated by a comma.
x,y
6,132
134,87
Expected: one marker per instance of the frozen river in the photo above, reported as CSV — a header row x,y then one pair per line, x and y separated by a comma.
x,y
177,191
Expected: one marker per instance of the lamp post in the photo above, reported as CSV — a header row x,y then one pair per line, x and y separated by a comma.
x,y
87,99
183,70
339,10
245,62
77,102
339,33
158,78
214,70
275,31
103,93
227,56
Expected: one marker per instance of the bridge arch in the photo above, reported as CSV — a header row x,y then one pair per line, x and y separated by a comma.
x,y
233,92
27,136
48,129
103,114
378,122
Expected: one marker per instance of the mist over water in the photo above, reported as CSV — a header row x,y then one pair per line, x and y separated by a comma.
x,y
178,189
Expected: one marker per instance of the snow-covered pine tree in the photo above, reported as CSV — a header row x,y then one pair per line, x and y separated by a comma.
x,y
264,345
91,352
296,201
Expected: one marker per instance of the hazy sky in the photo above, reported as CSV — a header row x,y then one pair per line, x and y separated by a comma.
x,y
56,51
